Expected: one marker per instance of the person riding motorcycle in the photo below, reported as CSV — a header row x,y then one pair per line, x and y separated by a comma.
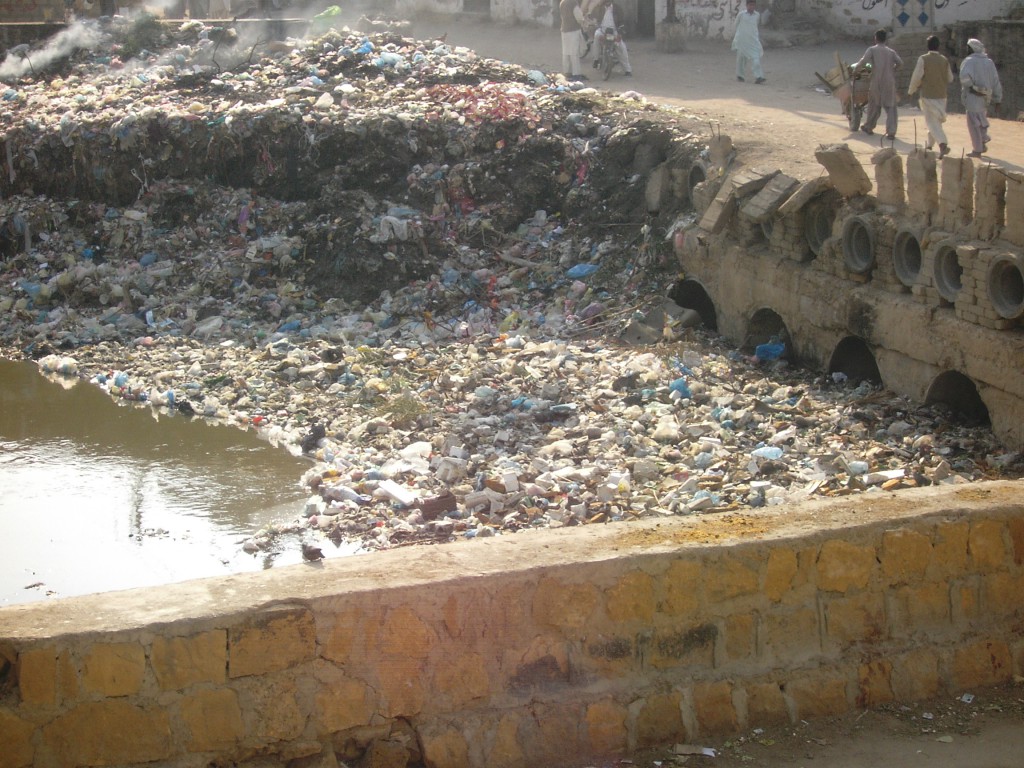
x,y
608,15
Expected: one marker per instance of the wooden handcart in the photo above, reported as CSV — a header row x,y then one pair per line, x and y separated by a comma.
x,y
851,88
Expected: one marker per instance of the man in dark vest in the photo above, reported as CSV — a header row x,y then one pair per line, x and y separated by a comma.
x,y
932,75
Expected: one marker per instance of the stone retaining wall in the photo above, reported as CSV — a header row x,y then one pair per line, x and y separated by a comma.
x,y
536,649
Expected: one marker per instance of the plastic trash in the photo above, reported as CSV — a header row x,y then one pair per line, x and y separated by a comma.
x,y
771,350
582,270
767,452
680,386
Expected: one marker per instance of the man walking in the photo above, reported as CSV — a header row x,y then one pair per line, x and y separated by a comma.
x,y
882,92
932,76
746,41
572,31
980,85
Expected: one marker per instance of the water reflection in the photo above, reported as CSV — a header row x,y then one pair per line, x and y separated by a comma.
x,y
96,495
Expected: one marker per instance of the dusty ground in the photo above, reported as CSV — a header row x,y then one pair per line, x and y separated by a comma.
x,y
778,125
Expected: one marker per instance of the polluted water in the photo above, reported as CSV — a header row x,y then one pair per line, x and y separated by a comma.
x,y
97,495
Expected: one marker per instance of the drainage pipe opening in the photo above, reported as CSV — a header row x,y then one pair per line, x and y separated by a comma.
x,y
1006,285
819,215
697,175
906,257
768,338
858,245
948,272
690,294
853,361
957,394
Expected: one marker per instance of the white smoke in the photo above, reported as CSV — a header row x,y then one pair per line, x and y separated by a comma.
x,y
22,60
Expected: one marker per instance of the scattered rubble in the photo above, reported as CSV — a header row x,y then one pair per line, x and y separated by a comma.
x,y
438,276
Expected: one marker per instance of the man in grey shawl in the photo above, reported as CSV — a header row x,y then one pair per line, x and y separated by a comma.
x,y
980,86
884,62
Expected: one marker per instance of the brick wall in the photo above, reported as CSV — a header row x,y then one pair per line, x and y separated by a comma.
x,y
534,649
826,263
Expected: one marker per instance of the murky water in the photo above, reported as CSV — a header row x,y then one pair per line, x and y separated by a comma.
x,y
97,495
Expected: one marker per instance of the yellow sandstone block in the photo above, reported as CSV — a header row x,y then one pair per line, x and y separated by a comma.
x,y
730,578
818,695
740,636
16,737
632,598
660,721
462,679
986,545
179,662
843,566
111,732
37,676
447,747
905,556
873,683
213,719
950,548
986,662
606,728
925,606
114,669
505,751
274,640
682,589
560,604
766,705
859,619
713,706
915,675
405,634
791,636
342,702
780,571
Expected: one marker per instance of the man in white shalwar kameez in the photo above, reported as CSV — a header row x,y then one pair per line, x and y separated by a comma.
x,y
980,85
746,41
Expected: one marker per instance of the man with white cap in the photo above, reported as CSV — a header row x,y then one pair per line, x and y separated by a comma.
x,y
980,85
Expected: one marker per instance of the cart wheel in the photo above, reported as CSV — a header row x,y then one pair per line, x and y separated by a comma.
x,y
856,111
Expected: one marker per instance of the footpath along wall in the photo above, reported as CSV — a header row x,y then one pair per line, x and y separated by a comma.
x,y
915,281
535,649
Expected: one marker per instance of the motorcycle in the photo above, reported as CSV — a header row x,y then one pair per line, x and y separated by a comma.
x,y
608,52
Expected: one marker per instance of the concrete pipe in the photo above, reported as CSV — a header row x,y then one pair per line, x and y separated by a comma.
x,y
948,272
1006,285
906,257
697,175
859,244
819,214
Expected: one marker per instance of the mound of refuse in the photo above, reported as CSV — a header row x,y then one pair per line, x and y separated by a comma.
x,y
441,277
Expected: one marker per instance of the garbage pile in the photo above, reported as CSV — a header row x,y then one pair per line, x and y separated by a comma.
x,y
433,274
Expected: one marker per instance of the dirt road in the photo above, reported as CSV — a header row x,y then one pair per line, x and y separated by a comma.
x,y
775,125
778,125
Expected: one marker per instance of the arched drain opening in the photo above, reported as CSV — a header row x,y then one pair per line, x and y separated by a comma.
x,y
958,395
858,245
767,337
697,176
906,257
948,272
1006,286
767,227
819,215
854,361
690,294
